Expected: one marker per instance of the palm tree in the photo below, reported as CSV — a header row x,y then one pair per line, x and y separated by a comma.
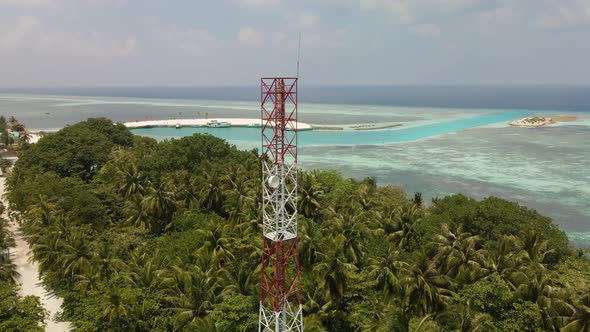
x,y
10,141
332,274
134,182
362,197
313,323
144,270
5,164
385,271
386,316
538,250
186,191
351,230
15,125
159,203
48,249
189,294
12,121
310,237
106,263
135,214
116,311
239,202
506,258
211,192
76,255
7,268
242,279
469,320
405,218
6,236
460,255
217,244
310,194
24,137
424,288
40,215
205,324
536,285
89,281
581,318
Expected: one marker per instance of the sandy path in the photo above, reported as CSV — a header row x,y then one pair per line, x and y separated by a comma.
x,y
29,276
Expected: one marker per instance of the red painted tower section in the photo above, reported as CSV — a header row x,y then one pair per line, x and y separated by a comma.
x,y
280,292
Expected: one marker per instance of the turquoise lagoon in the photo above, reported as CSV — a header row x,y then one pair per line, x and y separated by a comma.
x,y
436,151
250,137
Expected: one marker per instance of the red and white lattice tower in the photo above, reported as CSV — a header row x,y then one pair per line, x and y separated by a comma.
x,y
280,292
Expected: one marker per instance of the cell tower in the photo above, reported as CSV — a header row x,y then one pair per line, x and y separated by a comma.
x,y
280,291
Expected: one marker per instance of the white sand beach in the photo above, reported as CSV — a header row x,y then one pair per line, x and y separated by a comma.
x,y
30,283
203,122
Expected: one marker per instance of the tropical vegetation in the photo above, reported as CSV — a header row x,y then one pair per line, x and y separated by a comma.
x,y
140,235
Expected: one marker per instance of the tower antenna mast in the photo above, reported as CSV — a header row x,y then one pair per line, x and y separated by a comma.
x,y
298,54
280,290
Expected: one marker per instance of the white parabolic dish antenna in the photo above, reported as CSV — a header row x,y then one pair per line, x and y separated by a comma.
x,y
274,181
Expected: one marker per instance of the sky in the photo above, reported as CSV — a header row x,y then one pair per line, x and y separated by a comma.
x,y
59,43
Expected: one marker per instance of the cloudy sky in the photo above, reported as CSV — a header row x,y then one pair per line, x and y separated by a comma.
x,y
234,42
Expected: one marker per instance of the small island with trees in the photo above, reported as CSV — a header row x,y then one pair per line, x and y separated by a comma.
x,y
531,122
140,235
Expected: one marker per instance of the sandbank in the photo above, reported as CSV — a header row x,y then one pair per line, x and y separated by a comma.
x,y
565,118
237,122
377,127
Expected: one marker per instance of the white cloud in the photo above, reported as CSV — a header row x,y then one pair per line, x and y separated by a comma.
x,y
311,39
258,3
566,14
29,34
399,11
30,3
419,11
308,25
53,3
15,34
425,30
191,40
250,37
497,14
308,20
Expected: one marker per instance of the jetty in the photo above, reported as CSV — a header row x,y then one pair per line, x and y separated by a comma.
x,y
180,123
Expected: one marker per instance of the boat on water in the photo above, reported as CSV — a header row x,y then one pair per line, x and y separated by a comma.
x,y
178,126
218,124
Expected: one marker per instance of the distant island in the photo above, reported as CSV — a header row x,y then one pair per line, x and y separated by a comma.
x,y
538,121
531,122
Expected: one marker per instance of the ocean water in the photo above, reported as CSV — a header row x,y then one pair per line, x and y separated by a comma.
x,y
463,146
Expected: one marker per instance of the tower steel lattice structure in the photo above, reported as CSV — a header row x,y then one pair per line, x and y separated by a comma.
x,y
280,291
